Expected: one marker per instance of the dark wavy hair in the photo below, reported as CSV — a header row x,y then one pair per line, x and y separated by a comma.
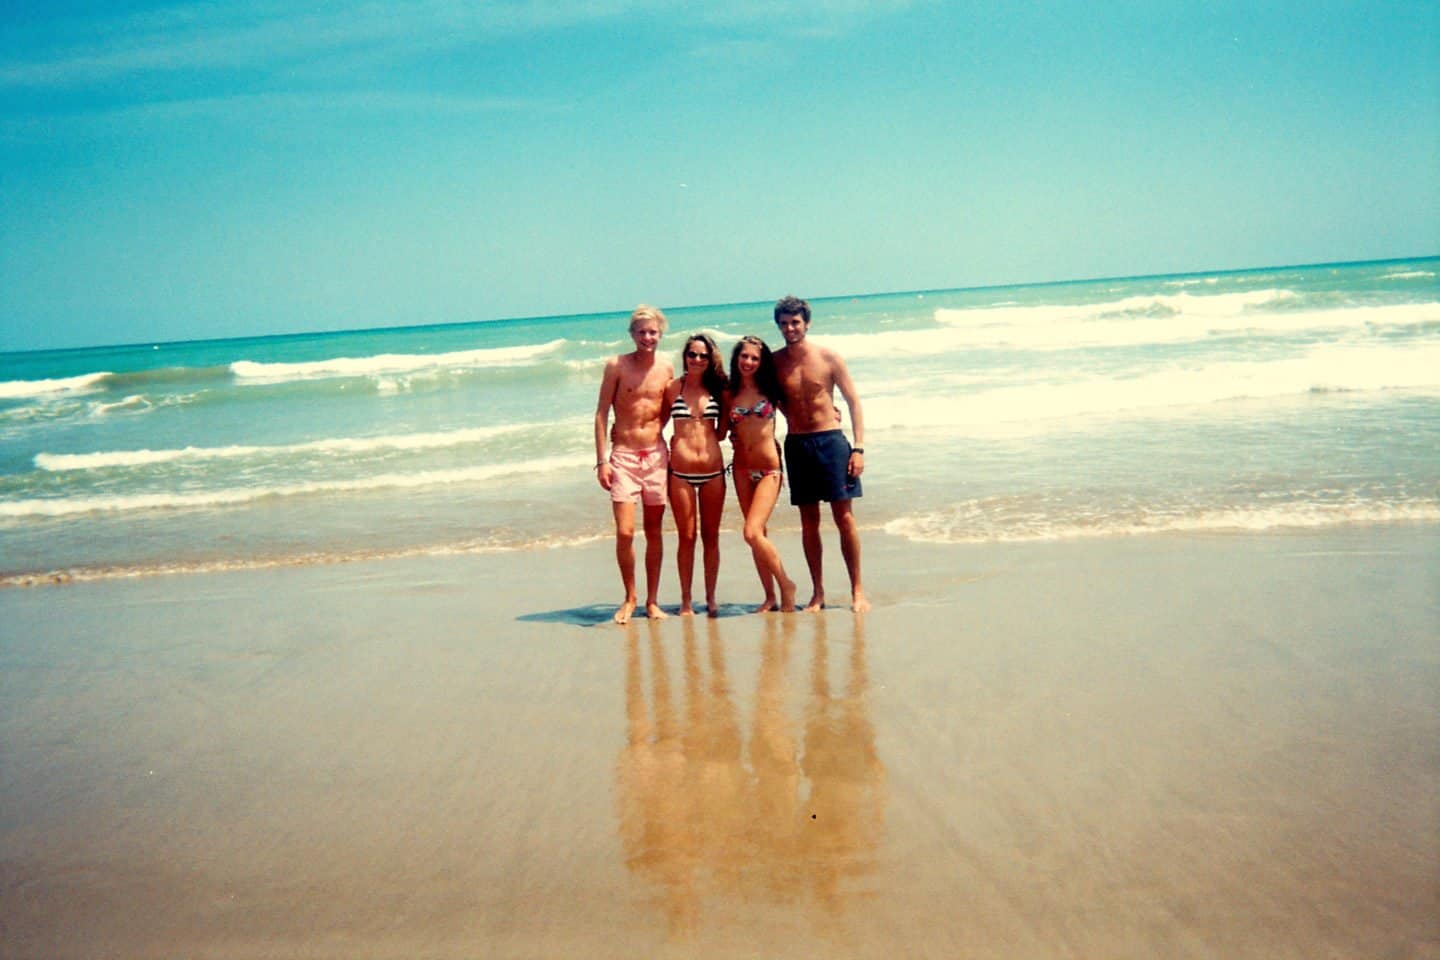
x,y
791,306
714,376
766,379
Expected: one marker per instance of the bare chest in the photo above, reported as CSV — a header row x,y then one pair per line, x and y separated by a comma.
x,y
805,383
638,386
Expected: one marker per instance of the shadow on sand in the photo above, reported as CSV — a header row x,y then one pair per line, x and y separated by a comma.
x,y
602,613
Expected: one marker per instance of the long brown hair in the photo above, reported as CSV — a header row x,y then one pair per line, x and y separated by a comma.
x,y
714,376
766,379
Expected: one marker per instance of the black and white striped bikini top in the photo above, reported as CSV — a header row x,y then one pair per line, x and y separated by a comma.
x,y
680,410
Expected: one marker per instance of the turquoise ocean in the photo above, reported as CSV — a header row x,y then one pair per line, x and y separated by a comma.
x,y
1270,399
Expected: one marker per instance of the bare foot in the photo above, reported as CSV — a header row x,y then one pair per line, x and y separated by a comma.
x,y
653,611
858,602
767,606
687,610
712,610
816,602
787,596
623,614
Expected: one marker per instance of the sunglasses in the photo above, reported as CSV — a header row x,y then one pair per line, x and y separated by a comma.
x,y
692,355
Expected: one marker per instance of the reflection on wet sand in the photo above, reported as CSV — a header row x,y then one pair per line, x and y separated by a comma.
x,y
846,806
656,831
787,818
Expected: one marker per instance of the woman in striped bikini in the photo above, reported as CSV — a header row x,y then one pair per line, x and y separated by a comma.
x,y
697,467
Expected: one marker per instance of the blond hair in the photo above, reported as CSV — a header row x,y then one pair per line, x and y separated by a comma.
x,y
647,312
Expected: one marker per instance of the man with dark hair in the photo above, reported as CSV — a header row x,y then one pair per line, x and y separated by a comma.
x,y
822,464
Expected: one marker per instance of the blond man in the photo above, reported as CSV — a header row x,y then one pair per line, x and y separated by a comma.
x,y
635,468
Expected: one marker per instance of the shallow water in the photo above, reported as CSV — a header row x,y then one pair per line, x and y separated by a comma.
x,y
1290,398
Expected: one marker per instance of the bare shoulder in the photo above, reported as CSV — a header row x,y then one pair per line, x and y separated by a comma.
x,y
823,359
609,384
612,372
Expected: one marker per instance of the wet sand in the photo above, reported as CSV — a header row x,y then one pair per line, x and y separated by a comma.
x,y
1222,746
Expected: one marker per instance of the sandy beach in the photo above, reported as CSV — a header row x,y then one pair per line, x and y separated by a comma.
x,y
1170,746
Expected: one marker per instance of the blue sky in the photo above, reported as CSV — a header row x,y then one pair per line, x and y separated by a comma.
x,y
191,170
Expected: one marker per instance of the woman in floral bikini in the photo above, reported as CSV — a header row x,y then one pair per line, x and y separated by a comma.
x,y
749,409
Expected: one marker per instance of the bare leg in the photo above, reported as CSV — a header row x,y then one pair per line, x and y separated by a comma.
x,y
762,504
712,508
850,548
814,553
654,557
745,493
625,557
684,505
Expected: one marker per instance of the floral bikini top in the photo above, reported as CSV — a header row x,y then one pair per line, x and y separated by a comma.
x,y
763,409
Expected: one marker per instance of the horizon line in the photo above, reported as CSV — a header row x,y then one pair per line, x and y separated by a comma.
x,y
720,305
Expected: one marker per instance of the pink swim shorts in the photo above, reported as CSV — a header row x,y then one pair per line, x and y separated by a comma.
x,y
640,475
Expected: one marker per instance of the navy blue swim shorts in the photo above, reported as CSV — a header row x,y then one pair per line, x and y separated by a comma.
x,y
818,465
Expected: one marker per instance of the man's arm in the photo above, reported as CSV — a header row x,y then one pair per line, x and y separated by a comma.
x,y
608,385
667,399
841,376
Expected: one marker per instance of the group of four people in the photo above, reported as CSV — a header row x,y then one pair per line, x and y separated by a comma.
x,y
703,406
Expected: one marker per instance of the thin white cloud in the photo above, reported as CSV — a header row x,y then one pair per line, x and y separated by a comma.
x,y
230,34
213,36
367,102
762,50
313,108
801,17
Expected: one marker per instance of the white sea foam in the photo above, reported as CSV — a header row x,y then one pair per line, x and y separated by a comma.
x,y
588,366
135,401
1136,321
1207,305
16,389
1126,411
231,496
237,564
1060,399
335,446
390,365
971,522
